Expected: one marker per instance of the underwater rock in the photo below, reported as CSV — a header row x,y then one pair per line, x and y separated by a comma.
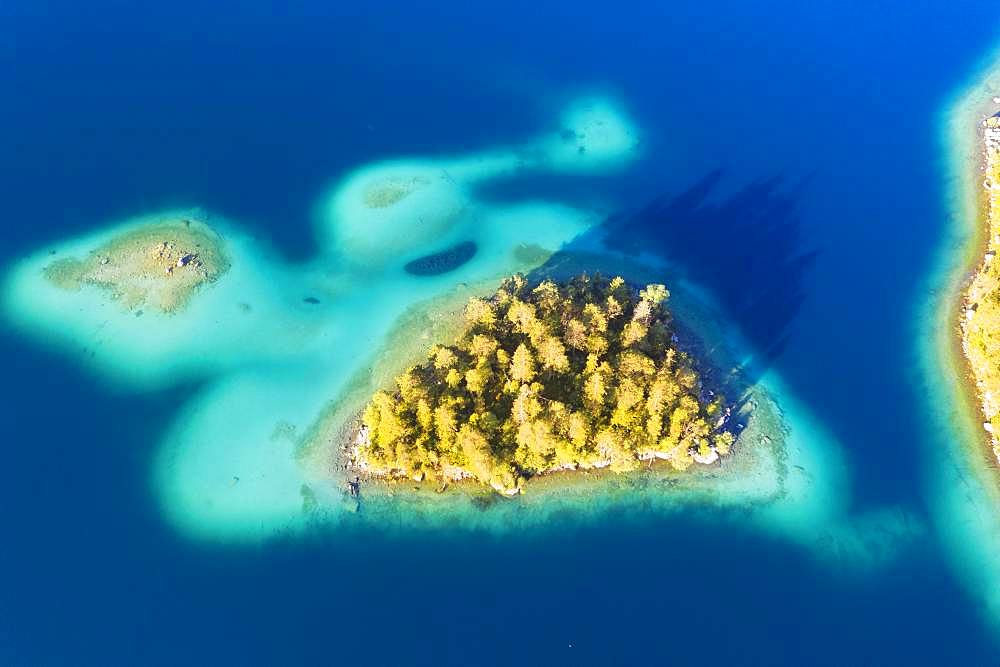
x,y
444,261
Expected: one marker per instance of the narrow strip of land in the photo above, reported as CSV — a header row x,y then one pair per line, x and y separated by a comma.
x,y
980,322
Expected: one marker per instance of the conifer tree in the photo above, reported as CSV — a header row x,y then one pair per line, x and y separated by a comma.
x,y
522,365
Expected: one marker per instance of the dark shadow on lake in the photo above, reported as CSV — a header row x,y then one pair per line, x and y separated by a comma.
x,y
746,249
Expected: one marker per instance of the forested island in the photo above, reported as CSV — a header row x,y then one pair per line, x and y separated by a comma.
x,y
980,323
544,378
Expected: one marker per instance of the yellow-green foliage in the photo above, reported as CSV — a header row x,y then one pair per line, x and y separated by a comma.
x,y
981,320
547,377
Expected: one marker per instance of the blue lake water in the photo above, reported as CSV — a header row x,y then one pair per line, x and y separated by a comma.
x,y
253,110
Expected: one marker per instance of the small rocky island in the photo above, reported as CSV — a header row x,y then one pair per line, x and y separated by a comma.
x,y
546,378
159,265
980,323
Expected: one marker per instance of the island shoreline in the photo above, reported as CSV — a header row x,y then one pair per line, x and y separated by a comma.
x,y
954,308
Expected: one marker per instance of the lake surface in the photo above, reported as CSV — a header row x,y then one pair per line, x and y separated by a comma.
x,y
831,110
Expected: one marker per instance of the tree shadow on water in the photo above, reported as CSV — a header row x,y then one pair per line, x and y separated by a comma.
x,y
745,249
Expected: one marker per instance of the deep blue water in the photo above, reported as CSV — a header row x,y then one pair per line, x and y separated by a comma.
x,y
251,110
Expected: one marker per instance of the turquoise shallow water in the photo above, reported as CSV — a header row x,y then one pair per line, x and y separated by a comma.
x,y
255,114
